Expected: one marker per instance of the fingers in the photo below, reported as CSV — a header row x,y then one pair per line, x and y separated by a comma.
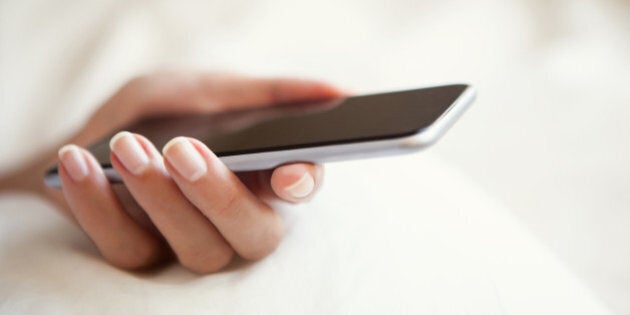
x,y
296,182
181,92
186,92
252,228
205,214
194,239
95,207
241,92
292,183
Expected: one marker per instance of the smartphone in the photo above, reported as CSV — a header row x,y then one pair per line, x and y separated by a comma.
x,y
317,131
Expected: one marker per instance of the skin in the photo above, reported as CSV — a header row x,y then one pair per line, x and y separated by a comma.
x,y
160,214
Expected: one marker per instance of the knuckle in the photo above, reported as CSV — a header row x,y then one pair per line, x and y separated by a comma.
x,y
229,203
143,256
275,92
136,83
265,245
203,261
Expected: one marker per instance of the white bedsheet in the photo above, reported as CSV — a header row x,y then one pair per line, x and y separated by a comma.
x,y
415,237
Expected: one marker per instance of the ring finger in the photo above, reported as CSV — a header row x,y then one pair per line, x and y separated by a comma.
x,y
94,205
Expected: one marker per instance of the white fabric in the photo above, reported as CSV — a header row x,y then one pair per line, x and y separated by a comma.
x,y
387,236
396,235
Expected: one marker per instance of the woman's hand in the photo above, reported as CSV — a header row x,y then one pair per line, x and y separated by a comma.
x,y
196,207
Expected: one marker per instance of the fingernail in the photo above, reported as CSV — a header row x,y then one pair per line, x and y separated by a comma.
x,y
185,158
72,159
129,151
302,187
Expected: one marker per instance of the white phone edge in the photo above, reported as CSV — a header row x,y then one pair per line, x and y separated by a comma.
x,y
335,152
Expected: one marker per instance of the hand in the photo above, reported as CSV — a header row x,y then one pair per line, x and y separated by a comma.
x,y
196,207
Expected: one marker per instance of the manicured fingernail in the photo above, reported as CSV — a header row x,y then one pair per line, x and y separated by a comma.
x,y
129,151
185,158
302,187
72,159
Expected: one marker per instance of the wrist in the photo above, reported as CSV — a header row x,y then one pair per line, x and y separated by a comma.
x,y
28,178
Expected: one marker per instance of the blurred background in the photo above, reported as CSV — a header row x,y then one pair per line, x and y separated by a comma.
x,y
548,135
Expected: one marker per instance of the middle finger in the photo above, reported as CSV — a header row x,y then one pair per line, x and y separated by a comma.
x,y
194,239
250,226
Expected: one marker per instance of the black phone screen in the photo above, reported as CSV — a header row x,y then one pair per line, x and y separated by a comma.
x,y
292,126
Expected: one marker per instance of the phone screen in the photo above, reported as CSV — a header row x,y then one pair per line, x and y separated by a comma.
x,y
292,126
